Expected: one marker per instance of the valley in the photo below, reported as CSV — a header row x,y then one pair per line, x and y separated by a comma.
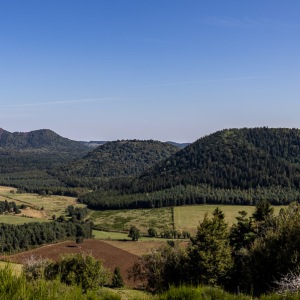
x,y
243,181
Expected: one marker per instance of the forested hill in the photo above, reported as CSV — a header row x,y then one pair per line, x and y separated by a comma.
x,y
119,159
36,150
231,158
38,139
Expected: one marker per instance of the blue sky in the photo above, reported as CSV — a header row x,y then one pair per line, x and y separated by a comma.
x,y
148,69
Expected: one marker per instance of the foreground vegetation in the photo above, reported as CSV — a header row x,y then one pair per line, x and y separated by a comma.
x,y
255,254
251,256
19,287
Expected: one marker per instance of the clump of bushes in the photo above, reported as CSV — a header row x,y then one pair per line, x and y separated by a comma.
x,y
79,269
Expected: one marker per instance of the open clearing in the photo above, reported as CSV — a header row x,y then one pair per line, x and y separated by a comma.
x,y
111,256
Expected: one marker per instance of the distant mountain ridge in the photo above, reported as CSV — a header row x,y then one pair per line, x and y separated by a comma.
x,y
42,138
95,144
36,150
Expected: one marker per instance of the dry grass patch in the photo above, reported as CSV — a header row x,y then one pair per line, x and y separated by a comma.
x,y
33,213
50,205
7,189
16,268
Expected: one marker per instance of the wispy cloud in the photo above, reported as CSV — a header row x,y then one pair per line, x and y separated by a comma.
x,y
238,78
60,102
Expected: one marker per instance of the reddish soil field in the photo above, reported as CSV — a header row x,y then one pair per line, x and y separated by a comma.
x,y
111,256
141,247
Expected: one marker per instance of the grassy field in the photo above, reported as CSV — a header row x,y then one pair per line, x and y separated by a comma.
x,y
16,220
107,235
142,218
52,205
188,217
185,218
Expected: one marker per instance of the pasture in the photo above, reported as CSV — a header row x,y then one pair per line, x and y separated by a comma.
x,y
188,217
47,206
17,220
122,220
185,218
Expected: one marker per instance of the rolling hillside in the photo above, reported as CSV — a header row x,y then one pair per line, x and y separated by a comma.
x,y
232,158
36,150
119,159
25,157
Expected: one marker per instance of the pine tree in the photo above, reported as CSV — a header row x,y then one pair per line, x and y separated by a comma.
x,y
209,252
117,280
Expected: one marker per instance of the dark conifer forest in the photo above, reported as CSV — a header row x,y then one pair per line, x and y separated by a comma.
x,y
231,166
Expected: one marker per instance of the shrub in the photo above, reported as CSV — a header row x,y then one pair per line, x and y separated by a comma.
x,y
134,233
82,270
34,268
117,280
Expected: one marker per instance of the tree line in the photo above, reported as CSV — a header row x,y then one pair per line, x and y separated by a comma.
x,y
22,237
9,207
188,195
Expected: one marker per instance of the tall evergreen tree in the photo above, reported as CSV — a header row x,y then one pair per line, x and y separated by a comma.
x,y
209,252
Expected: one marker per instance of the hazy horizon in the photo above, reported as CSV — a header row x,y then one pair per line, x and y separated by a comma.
x,y
164,70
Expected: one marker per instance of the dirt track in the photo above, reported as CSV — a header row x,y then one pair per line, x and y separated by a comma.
x,y
111,256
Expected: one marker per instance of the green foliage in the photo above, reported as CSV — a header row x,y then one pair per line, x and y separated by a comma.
x,y
17,287
210,252
188,195
34,268
160,268
243,233
263,210
78,213
134,233
79,269
120,159
277,251
8,207
152,232
21,237
117,280
199,293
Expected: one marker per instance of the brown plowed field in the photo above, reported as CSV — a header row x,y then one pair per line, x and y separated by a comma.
x,y
111,256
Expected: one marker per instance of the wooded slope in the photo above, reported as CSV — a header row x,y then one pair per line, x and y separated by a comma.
x,y
231,158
